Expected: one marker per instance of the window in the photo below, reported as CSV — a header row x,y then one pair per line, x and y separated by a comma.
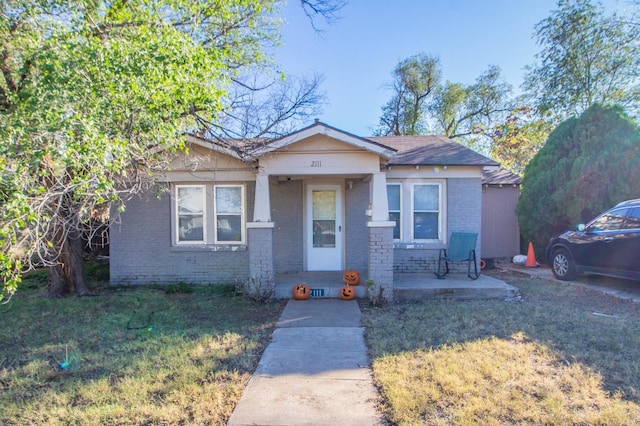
x,y
611,221
417,208
633,219
426,211
190,205
209,214
394,200
228,216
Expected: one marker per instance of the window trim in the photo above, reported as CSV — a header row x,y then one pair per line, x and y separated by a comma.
x,y
243,232
176,216
440,211
399,211
209,216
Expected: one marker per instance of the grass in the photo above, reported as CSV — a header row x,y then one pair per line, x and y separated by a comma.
x,y
561,355
129,355
182,355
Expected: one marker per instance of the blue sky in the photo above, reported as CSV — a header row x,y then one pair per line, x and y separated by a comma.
x,y
357,54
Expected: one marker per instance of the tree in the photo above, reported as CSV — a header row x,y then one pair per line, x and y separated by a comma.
x,y
92,94
461,111
586,57
327,9
414,80
518,138
587,165
420,103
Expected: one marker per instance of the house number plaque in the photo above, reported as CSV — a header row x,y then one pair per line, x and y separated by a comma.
x,y
316,163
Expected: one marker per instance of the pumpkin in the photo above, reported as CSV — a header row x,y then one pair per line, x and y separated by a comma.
x,y
301,292
351,277
347,293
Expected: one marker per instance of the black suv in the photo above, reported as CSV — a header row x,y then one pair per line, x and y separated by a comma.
x,y
608,245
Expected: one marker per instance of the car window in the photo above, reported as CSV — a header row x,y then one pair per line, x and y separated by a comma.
x,y
633,219
610,221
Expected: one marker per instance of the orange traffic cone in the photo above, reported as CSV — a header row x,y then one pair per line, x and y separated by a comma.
x,y
531,257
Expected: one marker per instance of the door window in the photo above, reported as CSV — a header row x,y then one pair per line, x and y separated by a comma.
x,y
324,218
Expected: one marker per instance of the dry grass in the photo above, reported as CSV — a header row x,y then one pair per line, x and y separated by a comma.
x,y
562,355
133,356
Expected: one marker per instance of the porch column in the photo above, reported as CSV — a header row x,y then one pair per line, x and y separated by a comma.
x,y
262,204
378,198
380,242
260,237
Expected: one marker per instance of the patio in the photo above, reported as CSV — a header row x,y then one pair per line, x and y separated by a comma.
x,y
406,286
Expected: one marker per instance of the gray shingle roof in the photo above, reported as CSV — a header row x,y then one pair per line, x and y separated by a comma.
x,y
500,177
431,150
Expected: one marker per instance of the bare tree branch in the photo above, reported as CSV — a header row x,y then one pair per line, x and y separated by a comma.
x,y
327,9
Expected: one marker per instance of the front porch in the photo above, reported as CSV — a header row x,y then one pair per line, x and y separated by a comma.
x,y
415,286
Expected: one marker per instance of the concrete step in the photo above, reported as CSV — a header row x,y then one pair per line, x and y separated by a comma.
x,y
319,291
459,293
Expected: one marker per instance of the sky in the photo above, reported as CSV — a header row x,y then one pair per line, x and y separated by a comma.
x,y
357,54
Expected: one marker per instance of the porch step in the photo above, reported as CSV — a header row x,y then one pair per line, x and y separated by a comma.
x,y
417,286
328,291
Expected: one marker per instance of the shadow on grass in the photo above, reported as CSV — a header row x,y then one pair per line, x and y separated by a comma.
x,y
129,356
563,327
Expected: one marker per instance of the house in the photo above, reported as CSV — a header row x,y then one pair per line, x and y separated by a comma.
x,y
318,199
500,230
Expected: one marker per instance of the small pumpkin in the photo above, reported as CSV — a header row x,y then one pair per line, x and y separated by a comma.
x,y
301,292
351,277
347,292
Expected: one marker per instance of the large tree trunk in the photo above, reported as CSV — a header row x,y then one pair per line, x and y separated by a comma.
x,y
68,276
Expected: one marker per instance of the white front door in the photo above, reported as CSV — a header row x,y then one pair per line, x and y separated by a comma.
x,y
324,225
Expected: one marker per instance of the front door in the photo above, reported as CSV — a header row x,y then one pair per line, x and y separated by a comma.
x,y
324,227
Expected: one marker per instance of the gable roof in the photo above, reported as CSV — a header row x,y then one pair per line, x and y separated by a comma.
x,y
421,150
319,128
432,151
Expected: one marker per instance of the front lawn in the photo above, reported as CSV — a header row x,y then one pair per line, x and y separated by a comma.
x,y
561,355
129,356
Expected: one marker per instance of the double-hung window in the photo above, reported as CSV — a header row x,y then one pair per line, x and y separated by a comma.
x,y
426,211
228,213
209,214
417,208
190,206
394,199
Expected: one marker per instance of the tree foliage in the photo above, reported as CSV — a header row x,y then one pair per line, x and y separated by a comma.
x,y
421,103
92,91
463,110
518,138
586,57
414,80
587,165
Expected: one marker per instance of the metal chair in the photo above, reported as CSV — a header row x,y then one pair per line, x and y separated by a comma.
x,y
462,248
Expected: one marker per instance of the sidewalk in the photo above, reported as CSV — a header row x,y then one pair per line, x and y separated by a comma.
x,y
315,371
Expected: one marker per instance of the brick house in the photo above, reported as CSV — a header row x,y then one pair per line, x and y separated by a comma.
x,y
318,199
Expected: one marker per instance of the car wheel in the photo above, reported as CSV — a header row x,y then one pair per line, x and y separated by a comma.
x,y
563,266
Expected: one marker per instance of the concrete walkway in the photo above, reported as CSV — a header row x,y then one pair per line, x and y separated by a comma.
x,y
315,371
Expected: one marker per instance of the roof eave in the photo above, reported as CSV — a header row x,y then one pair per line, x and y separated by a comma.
x,y
319,128
211,144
